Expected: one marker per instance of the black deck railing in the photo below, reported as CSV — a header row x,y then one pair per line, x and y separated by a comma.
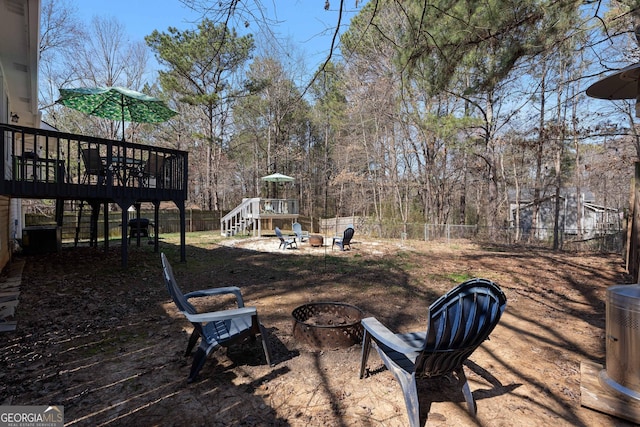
x,y
47,164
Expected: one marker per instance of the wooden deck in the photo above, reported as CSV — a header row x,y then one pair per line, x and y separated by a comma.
x,y
43,164
594,395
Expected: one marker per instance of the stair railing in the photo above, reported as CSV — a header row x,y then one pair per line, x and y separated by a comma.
x,y
242,218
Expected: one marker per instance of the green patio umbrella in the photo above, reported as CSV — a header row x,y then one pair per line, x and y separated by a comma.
x,y
116,103
277,177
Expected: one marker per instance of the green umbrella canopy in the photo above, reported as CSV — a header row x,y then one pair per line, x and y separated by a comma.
x,y
116,103
277,177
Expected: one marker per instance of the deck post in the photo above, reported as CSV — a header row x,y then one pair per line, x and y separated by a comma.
x,y
183,227
124,205
156,222
106,226
125,238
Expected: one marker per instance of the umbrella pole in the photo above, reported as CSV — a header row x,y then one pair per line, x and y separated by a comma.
x,y
122,107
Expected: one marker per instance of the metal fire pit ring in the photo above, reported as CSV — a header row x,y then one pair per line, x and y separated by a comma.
x,y
316,240
327,324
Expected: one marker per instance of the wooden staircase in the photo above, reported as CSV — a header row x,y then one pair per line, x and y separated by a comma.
x,y
243,219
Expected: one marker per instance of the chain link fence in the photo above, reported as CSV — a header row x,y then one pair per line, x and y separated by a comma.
x,y
590,240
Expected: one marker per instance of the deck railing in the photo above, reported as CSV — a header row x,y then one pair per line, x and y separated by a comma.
x,y
278,207
41,163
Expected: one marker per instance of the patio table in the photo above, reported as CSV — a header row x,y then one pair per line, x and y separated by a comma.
x,y
125,168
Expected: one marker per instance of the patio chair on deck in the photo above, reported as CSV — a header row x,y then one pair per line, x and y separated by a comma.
x,y
214,329
153,171
139,227
267,208
286,242
297,229
345,240
94,165
458,323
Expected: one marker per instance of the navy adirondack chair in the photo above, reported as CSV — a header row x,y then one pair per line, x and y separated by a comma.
x,y
214,329
458,323
345,240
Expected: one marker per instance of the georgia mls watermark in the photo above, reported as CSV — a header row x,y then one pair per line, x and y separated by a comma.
x,y
31,416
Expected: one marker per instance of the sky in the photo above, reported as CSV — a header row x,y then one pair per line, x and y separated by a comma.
x,y
305,22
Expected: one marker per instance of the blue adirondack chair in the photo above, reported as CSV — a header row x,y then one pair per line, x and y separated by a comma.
x,y
286,242
214,329
297,229
458,323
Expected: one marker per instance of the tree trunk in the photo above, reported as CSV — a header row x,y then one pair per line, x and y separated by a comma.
x,y
539,156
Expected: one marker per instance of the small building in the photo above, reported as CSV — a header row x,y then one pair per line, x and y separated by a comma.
x,y
577,216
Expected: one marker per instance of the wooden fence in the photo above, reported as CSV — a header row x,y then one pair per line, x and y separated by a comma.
x,y
169,222
335,226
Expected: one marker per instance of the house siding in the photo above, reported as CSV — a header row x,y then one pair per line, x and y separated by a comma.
x,y
5,201
5,242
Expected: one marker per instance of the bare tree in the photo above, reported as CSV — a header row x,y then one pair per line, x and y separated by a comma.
x,y
61,36
101,56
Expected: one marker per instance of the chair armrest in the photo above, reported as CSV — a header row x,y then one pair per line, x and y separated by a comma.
x,y
221,315
383,335
218,291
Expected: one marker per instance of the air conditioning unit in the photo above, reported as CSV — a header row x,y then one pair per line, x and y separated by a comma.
x,y
41,239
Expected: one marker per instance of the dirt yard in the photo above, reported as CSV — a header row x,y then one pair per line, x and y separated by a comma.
x,y
108,345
